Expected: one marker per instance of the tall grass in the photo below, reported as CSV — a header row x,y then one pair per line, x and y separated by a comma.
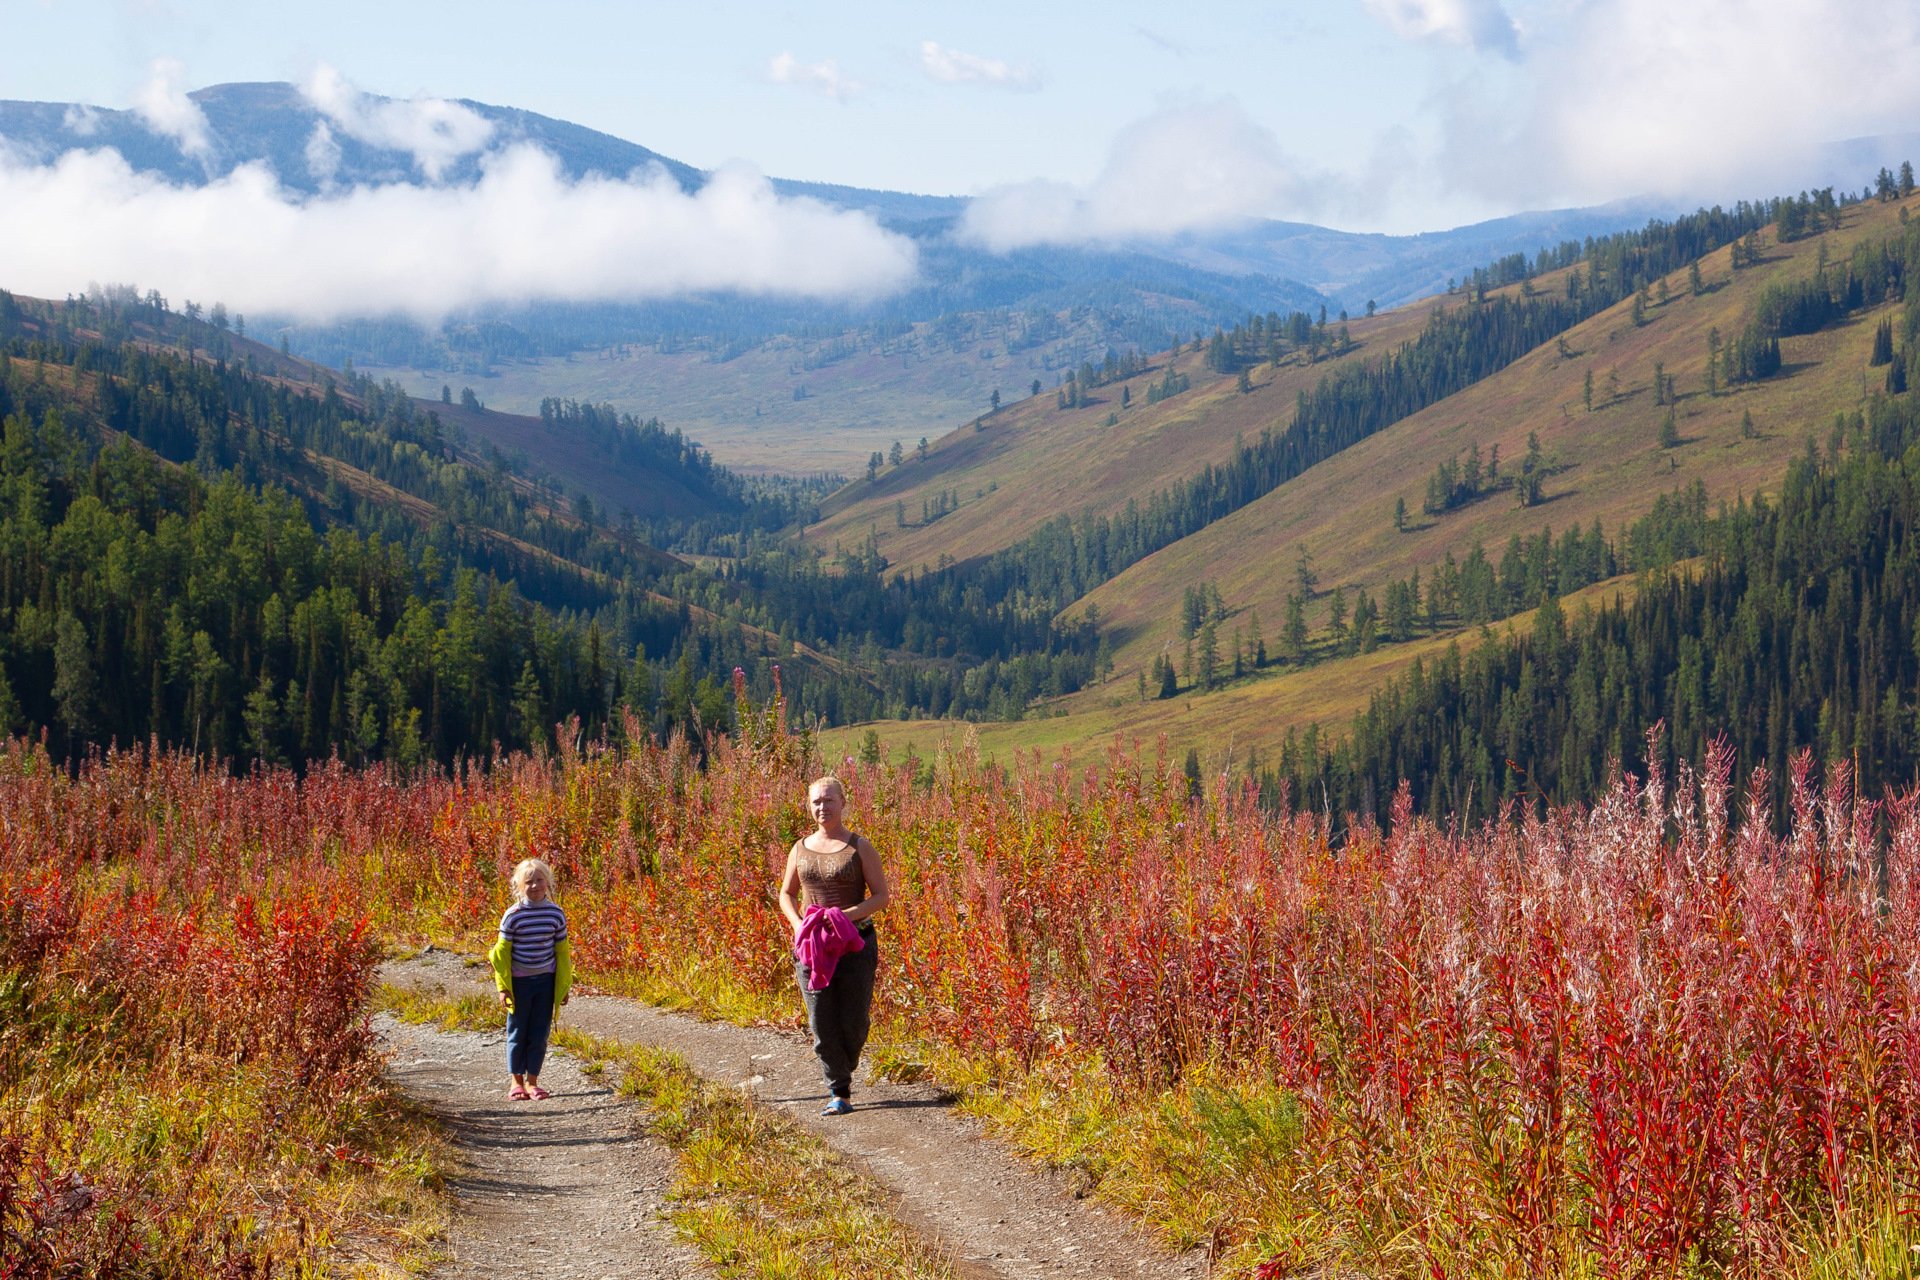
x,y
1649,1038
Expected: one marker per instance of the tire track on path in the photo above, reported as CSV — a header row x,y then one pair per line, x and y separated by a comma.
x,y
1002,1216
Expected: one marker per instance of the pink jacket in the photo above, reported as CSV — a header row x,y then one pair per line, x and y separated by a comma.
x,y
825,935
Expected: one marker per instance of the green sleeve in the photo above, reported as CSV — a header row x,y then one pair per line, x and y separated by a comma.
x,y
501,957
563,969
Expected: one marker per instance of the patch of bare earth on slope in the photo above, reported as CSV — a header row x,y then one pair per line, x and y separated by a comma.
x,y
1000,1215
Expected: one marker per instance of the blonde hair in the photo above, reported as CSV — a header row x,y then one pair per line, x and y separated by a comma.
x,y
828,780
526,871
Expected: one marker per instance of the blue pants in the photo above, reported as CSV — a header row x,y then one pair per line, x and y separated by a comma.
x,y
529,1023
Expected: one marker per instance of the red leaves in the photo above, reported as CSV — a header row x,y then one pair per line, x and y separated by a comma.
x,y
1633,1030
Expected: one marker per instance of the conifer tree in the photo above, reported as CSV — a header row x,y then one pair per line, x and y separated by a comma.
x,y
1694,283
1399,515
1669,431
1293,633
1586,391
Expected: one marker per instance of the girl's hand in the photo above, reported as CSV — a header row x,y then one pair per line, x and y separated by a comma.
x,y
565,998
506,1000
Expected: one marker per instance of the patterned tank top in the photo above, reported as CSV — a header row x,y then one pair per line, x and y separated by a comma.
x,y
833,879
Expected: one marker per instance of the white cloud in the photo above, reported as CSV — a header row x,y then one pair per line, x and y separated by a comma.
x,y
1481,25
434,131
1705,100
952,66
163,103
81,120
522,232
824,76
322,154
1185,168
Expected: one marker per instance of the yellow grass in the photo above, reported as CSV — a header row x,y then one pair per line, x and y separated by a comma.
x,y
1341,511
1033,461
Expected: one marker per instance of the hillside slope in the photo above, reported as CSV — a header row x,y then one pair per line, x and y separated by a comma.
x,y
1611,465
1607,464
1033,461
807,405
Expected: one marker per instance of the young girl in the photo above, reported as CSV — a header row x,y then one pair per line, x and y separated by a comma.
x,y
836,869
533,967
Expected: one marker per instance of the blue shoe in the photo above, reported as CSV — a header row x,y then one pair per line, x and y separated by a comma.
x,y
837,1107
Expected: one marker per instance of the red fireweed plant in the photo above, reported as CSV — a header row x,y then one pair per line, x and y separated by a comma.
x,y
1648,1037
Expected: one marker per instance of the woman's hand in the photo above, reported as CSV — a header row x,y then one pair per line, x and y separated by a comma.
x,y
506,1000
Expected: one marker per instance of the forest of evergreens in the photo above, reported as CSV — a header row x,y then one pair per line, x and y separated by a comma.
x,y
297,568
1784,624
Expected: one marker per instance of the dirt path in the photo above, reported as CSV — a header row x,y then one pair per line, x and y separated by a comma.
x,y
561,1188
1002,1216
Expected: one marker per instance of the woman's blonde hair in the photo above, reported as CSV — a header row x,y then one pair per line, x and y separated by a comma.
x,y
526,871
828,780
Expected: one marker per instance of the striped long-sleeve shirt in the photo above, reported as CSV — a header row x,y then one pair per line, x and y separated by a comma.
x,y
532,928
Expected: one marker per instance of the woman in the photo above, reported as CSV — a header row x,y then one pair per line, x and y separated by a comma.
x,y
836,869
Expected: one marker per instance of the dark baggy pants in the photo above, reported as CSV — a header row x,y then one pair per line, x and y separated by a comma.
x,y
839,1016
529,1023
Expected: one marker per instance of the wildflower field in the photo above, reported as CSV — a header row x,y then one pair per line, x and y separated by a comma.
x,y
1649,1038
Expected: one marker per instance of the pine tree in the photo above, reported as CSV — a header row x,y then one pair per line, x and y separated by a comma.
x,y
896,455
1882,345
1256,645
1906,178
1209,658
1293,633
1337,614
1669,431
1304,574
1694,282
1586,391
1399,515
1747,430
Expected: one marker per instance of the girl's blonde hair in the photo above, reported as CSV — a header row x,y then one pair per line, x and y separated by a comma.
x,y
828,781
526,871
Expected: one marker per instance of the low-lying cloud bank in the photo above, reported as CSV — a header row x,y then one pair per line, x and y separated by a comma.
x,y
1188,167
524,232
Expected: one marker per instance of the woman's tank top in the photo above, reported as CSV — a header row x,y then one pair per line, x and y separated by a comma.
x,y
833,879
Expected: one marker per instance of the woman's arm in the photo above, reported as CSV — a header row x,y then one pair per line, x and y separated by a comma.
x,y
790,890
877,893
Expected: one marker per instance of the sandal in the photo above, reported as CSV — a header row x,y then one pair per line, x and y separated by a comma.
x,y
517,1094
539,1094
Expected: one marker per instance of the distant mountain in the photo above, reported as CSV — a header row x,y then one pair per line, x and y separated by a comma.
x,y
1262,266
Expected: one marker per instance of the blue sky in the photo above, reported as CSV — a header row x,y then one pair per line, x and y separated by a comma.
x,y
1377,114
693,80
1114,123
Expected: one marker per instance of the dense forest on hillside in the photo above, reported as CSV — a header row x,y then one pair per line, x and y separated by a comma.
x,y
1799,626
191,469
386,554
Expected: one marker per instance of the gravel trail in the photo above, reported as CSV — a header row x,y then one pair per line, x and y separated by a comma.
x,y
563,1188
1003,1217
